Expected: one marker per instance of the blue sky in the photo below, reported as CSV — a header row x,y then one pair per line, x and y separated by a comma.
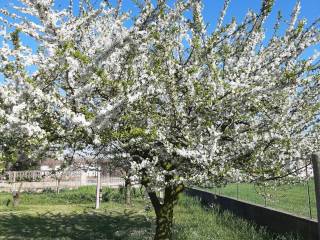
x,y
310,8
238,8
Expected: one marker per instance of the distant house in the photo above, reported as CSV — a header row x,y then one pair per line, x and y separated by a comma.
x,y
49,164
52,164
86,165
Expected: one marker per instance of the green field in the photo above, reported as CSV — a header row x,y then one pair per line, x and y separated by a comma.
x,y
70,215
291,198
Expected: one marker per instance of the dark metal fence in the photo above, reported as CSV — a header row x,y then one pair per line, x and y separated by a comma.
x,y
274,220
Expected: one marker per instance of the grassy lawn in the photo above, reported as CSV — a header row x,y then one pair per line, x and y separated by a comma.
x,y
38,217
290,198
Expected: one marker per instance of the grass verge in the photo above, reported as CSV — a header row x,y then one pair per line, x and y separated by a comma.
x,y
34,219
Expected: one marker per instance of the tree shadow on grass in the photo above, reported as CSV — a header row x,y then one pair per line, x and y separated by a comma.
x,y
86,226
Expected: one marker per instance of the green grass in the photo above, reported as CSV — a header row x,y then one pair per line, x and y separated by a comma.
x,y
80,221
81,195
38,217
291,198
193,222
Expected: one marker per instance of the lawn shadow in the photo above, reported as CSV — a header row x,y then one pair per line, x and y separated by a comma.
x,y
86,226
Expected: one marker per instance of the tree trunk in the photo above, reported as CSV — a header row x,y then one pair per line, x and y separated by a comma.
x,y
127,186
164,211
164,222
16,196
16,199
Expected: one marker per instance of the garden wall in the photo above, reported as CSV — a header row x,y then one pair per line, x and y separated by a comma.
x,y
273,220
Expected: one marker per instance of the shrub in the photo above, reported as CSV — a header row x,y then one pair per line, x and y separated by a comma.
x,y
47,190
111,194
138,193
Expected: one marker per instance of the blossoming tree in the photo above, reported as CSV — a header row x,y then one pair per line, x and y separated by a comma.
x,y
68,64
221,105
182,104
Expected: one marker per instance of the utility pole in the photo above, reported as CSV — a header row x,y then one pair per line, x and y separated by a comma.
x,y
98,187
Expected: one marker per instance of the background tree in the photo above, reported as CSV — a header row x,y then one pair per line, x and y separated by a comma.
x,y
77,65
73,80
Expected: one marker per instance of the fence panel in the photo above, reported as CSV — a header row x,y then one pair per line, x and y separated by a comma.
x,y
39,180
273,220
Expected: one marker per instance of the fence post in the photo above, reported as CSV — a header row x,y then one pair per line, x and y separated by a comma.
x,y
308,191
237,190
315,158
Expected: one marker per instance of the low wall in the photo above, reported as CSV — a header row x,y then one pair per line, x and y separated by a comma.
x,y
41,185
273,220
